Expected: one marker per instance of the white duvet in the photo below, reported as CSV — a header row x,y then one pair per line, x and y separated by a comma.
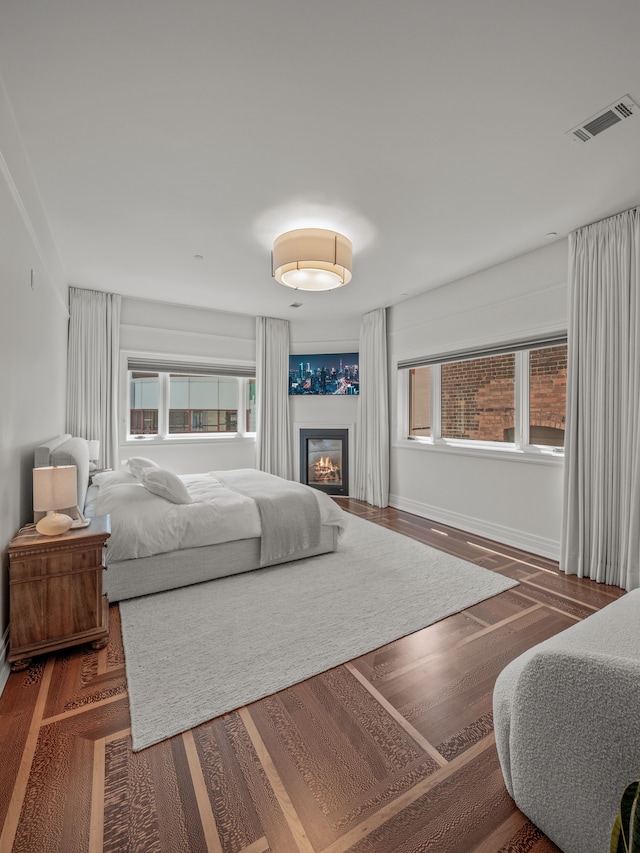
x,y
143,524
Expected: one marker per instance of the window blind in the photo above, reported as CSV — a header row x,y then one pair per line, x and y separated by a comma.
x,y
190,368
552,340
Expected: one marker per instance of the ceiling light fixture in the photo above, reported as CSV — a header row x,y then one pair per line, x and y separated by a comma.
x,y
312,259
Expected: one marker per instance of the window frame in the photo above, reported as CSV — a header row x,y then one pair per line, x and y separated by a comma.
x,y
520,448
182,365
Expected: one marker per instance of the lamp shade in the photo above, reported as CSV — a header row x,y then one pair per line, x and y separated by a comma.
x,y
54,487
312,259
94,449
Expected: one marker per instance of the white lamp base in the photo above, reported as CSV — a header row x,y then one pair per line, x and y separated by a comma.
x,y
54,524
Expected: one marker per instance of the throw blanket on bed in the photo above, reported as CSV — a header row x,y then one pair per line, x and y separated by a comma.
x,y
289,512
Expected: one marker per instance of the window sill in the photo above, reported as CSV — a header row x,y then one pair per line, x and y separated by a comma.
x,y
531,455
231,437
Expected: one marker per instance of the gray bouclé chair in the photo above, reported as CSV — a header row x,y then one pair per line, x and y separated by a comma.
x,y
567,726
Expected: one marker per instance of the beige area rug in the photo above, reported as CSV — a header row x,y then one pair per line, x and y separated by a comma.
x,y
198,652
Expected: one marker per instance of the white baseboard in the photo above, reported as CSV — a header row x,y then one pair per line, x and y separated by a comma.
x,y
4,666
498,532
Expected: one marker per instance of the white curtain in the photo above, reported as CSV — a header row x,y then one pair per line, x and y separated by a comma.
x,y
273,433
372,429
601,530
92,369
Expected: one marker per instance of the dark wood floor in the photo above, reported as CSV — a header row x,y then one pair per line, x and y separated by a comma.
x,y
393,751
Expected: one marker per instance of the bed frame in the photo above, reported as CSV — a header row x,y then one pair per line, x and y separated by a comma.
x,y
161,572
131,578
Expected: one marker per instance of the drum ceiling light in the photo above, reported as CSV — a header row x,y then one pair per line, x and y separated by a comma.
x,y
312,259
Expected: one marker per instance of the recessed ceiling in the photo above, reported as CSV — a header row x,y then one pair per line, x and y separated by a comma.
x,y
432,134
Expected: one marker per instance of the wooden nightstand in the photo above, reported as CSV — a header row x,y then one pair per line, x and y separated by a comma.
x,y
55,591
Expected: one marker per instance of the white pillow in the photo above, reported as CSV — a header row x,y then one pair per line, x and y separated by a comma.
x,y
165,484
137,465
111,478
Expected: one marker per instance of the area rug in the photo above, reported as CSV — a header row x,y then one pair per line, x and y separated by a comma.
x,y
200,651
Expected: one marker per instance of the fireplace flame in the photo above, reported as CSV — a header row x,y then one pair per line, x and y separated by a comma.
x,y
324,470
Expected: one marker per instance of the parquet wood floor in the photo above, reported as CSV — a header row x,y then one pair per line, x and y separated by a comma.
x,y
393,751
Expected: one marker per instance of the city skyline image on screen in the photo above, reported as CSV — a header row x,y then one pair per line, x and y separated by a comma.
x,y
326,374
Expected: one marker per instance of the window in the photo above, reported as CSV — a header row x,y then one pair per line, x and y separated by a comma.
x,y
202,404
250,405
510,396
185,399
547,395
420,401
478,398
143,405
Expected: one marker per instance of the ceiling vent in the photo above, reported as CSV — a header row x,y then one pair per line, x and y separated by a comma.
x,y
621,109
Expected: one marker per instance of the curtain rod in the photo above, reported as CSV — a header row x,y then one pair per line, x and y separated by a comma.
x,y
604,218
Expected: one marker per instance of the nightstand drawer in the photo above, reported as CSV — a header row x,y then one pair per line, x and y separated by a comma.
x,y
25,566
52,608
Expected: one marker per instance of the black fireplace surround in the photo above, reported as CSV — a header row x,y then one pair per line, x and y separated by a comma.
x,y
324,460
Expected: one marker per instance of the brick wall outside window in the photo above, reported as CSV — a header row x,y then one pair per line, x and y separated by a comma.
x,y
478,398
547,388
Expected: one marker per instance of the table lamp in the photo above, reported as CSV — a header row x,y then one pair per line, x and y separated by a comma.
x,y
54,487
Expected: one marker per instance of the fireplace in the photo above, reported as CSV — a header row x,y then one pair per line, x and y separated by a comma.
x,y
324,460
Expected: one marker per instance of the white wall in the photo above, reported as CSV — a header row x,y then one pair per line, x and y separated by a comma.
x,y
33,344
508,499
312,337
174,330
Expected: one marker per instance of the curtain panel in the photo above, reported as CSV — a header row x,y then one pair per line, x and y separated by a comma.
x,y
273,431
92,369
601,529
372,428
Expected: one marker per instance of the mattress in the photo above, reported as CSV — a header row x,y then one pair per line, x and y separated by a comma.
x,y
144,523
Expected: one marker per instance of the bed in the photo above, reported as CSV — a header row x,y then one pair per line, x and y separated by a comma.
x,y
169,531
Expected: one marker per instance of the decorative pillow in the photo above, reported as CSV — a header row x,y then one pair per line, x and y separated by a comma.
x,y
165,484
112,478
137,465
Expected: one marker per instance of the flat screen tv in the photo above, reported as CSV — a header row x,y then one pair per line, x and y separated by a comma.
x,y
334,373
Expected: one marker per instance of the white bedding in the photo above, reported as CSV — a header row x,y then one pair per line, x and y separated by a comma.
x,y
144,524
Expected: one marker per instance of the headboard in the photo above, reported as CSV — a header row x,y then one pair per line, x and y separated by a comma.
x,y
67,450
